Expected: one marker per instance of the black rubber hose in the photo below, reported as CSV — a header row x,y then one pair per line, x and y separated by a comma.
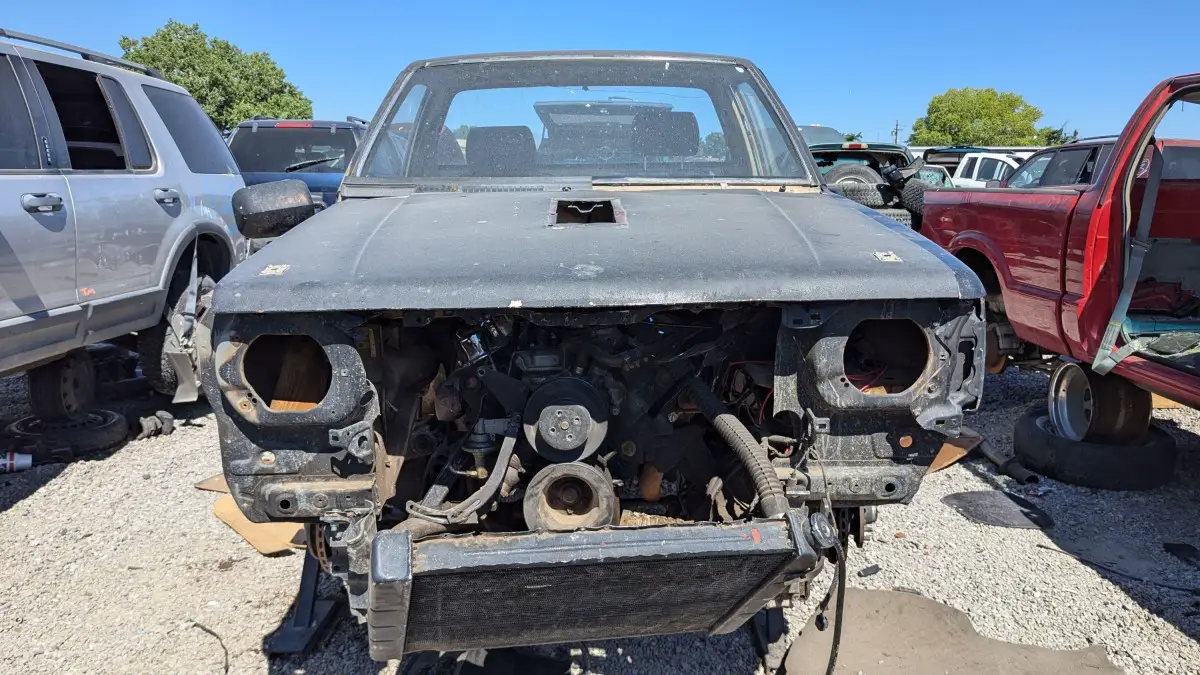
x,y
753,456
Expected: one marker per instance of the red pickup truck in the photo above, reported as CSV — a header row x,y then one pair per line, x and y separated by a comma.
x,y
1091,251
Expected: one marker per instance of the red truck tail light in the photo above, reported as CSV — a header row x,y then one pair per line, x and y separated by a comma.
x,y
855,146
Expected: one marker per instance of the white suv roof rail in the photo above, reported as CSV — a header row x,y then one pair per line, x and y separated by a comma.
x,y
86,54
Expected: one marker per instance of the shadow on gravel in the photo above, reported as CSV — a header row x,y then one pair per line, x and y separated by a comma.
x,y
49,463
1121,535
17,486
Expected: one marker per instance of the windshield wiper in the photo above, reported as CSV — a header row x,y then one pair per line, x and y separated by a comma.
x,y
309,162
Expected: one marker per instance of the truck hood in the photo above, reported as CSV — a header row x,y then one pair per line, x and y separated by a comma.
x,y
677,247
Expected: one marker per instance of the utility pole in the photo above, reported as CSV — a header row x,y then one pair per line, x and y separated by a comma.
x,y
896,133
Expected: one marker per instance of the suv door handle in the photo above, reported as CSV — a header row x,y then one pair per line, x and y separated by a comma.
x,y
45,202
166,196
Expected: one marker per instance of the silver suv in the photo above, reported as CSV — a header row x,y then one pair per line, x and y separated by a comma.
x,y
115,220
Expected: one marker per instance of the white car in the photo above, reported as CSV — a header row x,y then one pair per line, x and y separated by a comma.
x,y
977,168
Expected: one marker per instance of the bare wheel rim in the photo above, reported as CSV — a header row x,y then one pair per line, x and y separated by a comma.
x,y
1071,402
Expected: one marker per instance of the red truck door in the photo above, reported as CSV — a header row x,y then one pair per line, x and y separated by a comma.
x,y
1116,212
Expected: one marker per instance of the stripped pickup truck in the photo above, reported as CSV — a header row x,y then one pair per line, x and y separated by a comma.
x,y
579,379
1091,250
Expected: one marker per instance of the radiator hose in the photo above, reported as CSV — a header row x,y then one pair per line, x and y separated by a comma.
x,y
753,456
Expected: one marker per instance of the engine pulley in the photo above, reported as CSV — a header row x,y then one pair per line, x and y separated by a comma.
x,y
566,420
570,496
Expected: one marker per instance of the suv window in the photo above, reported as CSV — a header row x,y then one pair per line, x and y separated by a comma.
x,y
278,149
969,168
1030,173
133,136
199,142
1005,171
1066,167
18,144
93,142
989,169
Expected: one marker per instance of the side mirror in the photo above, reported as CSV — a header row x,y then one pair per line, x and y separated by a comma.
x,y
270,209
993,184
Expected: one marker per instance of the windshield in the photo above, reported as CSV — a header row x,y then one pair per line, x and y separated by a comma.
x,y
815,134
292,149
608,119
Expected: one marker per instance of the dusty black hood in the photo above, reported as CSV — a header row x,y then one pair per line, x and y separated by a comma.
x,y
496,250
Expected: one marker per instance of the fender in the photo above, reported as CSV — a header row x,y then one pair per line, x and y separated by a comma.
x,y
982,244
169,257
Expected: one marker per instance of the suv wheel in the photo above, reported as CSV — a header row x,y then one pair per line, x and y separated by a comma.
x,y
155,342
64,388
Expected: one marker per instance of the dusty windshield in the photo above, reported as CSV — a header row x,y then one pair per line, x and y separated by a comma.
x,y
608,119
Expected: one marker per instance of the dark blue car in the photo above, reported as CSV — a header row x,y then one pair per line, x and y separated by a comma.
x,y
313,151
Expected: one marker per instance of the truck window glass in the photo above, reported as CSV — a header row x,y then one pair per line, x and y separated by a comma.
x,y
390,153
199,142
1030,174
606,119
1066,167
93,143
969,168
18,144
133,136
1005,171
273,150
1181,162
1105,151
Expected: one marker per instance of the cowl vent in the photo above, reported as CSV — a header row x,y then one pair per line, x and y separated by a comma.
x,y
587,212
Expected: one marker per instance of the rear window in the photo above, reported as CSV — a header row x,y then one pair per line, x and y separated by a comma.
x,y
292,149
199,142
1181,162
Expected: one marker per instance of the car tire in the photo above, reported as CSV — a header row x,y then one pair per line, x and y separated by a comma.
x,y
154,341
874,195
912,197
64,388
853,173
899,215
1137,466
94,431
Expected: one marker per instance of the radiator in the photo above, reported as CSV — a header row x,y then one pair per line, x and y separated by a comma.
x,y
455,593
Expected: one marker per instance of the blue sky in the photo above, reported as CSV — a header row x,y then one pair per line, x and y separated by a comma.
x,y
856,65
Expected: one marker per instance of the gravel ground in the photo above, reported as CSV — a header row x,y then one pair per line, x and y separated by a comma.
x,y
116,565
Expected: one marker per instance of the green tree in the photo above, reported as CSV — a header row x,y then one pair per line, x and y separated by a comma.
x,y
462,131
230,84
853,138
712,145
971,116
1055,135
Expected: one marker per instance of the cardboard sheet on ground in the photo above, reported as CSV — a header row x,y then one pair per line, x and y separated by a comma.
x,y
955,449
266,538
935,639
1163,403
